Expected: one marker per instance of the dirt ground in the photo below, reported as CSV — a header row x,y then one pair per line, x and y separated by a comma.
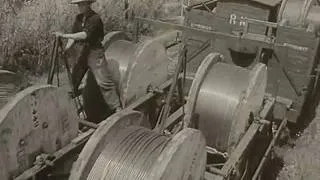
x,y
302,162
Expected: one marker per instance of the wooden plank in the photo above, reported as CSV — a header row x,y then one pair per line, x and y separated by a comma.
x,y
173,118
243,144
214,34
241,148
268,2
210,176
267,107
272,143
200,5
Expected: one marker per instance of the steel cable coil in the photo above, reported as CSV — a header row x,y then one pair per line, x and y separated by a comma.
x,y
224,96
130,155
121,149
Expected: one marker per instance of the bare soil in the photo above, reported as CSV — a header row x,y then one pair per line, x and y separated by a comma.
x,y
302,162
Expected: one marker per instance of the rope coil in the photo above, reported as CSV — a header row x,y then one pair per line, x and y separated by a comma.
x,y
130,154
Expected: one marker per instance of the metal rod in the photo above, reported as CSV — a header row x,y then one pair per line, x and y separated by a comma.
x,y
89,124
262,162
282,7
207,8
77,101
215,171
204,46
53,59
214,165
167,107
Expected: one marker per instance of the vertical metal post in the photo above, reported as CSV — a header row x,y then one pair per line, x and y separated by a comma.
x,y
136,30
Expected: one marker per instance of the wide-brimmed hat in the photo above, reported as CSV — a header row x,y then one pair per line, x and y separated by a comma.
x,y
79,1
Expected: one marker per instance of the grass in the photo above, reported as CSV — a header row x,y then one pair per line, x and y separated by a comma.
x,y
26,26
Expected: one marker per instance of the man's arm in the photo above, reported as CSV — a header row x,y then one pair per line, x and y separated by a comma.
x,y
73,36
69,44
76,36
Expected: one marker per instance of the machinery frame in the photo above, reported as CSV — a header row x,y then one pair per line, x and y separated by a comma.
x,y
211,173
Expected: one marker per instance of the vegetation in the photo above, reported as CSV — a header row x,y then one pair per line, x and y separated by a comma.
x,y
26,26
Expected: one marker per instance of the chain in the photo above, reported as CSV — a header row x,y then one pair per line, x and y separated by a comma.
x,y
216,152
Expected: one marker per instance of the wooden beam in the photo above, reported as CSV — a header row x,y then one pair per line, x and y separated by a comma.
x,y
241,148
261,42
76,143
275,138
267,107
173,118
210,176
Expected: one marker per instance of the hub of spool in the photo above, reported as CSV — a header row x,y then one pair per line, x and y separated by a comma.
x,y
223,96
39,119
112,152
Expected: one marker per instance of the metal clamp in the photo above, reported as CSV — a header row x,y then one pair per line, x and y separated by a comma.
x,y
44,160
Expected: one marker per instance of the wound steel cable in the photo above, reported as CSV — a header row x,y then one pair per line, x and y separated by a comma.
x,y
130,154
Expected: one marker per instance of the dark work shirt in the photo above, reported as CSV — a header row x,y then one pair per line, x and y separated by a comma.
x,y
92,25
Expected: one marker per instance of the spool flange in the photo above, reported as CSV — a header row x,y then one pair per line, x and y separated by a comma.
x,y
223,96
140,65
183,157
39,119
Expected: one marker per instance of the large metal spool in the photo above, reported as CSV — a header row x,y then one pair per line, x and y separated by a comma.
x,y
223,96
133,66
299,12
120,149
9,86
39,119
139,64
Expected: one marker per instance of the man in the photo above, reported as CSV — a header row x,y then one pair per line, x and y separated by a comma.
x,y
88,30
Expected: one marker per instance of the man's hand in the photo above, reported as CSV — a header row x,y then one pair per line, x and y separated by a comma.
x,y
74,94
58,34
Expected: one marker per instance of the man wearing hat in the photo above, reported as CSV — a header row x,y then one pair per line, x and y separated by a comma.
x,y
88,30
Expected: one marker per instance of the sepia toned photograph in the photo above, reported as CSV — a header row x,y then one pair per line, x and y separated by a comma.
x,y
159,90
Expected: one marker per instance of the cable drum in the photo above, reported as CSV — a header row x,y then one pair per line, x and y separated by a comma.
x,y
299,13
130,154
223,96
135,65
120,149
38,119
